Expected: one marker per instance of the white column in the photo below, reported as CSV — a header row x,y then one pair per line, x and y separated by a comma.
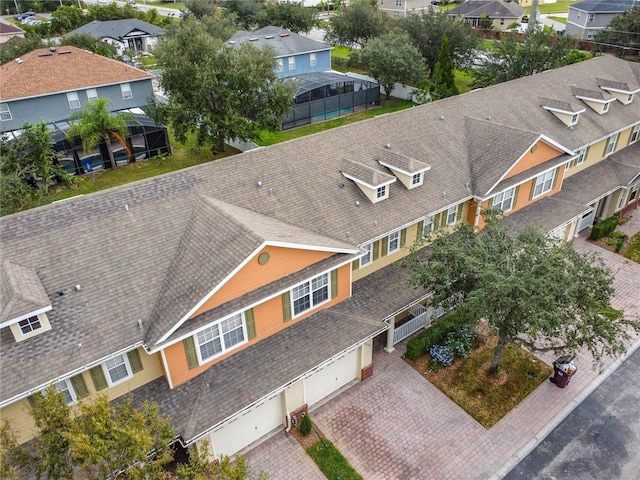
x,y
392,327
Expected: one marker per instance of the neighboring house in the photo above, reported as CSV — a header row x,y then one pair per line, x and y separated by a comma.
x,y
501,13
588,18
238,293
127,34
49,85
322,93
402,8
9,31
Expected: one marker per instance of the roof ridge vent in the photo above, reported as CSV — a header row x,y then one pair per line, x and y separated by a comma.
x,y
284,34
45,54
268,36
63,52
253,39
231,42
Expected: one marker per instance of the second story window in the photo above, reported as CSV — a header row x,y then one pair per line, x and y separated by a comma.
x,y
543,183
611,144
92,94
592,17
366,258
125,88
221,337
117,369
394,242
381,192
310,294
292,63
503,201
452,215
280,65
74,101
634,134
30,324
68,395
313,60
427,228
5,113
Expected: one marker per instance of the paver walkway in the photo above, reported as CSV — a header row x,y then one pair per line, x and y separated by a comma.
x,y
396,425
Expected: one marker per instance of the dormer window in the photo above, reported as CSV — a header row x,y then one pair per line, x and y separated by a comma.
x,y
416,179
372,182
409,171
568,113
622,91
605,107
574,119
596,100
381,192
30,324
630,98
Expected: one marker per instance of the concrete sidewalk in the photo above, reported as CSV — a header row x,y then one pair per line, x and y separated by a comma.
x,y
396,425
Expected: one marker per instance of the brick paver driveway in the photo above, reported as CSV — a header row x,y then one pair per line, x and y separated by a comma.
x,y
396,425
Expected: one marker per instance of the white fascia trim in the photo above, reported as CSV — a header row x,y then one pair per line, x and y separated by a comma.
x,y
610,89
7,323
156,348
79,89
281,388
596,100
396,169
311,247
166,368
67,375
566,112
373,187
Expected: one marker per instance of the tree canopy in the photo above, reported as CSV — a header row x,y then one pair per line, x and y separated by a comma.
x,y
293,17
444,84
531,289
219,91
511,59
357,23
623,31
392,59
427,29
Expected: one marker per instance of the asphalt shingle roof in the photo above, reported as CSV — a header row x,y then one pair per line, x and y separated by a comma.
x,y
117,29
604,5
284,42
21,291
491,8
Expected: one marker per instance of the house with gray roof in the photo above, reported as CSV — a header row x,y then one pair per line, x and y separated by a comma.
x,y
501,13
239,293
589,17
126,34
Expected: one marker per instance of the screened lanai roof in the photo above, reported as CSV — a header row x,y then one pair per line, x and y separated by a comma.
x,y
311,81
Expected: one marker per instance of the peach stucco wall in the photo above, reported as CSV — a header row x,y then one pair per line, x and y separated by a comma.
x,y
531,159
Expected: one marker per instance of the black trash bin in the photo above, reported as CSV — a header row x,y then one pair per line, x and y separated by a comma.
x,y
563,370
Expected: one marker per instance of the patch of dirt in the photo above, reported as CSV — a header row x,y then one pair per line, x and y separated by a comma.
x,y
315,435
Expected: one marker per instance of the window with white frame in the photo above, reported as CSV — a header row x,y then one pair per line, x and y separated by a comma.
x,y
503,201
427,228
415,179
634,134
381,191
68,394
605,107
292,63
581,156
366,258
630,98
611,144
502,21
592,17
92,94
394,242
398,3
117,369
125,88
313,59
543,183
574,119
280,66
221,336
452,215
5,112
633,193
310,294
74,101
30,324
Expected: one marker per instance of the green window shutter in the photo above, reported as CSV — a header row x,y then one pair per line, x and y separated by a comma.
x,y
79,386
99,380
515,197
556,174
32,401
334,283
533,189
420,230
286,306
251,323
442,220
490,203
134,361
385,246
376,250
190,349
403,237
459,214
355,265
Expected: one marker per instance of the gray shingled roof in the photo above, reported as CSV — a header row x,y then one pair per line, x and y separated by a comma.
x,y
369,175
595,94
399,161
563,105
604,6
625,87
117,29
21,291
491,8
284,42
119,244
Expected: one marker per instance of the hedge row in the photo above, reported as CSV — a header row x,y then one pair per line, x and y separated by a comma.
x,y
604,228
434,335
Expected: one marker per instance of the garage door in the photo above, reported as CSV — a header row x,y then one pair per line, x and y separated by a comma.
x,y
247,428
331,378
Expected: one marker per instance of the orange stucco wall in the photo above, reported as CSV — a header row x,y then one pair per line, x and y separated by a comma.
x,y
268,319
282,262
543,153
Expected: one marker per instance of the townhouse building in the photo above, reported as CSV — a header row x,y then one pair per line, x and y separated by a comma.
x,y
238,293
587,18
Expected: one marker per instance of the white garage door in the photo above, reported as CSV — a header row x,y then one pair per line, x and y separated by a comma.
x,y
333,376
248,428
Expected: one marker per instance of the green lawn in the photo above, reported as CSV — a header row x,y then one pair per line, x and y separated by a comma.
x,y
463,80
558,7
559,19
158,3
632,251
331,462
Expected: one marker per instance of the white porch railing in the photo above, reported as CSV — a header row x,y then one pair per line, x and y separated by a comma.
x,y
423,316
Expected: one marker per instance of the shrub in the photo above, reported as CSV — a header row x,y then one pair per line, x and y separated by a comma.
x,y
441,356
305,425
604,228
437,334
617,239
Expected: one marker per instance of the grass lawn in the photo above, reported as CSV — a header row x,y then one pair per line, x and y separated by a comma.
x,y
158,3
558,7
331,462
488,398
463,80
632,251
559,19
393,105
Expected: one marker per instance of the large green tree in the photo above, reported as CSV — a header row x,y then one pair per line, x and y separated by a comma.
x,y
392,59
531,289
295,18
622,33
512,58
356,23
95,124
220,91
427,29
444,84
86,41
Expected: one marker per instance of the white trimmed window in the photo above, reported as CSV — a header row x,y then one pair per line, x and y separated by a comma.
x,y
221,336
611,144
366,258
574,119
68,394
503,201
427,229
74,101
30,324
581,156
630,98
543,183
394,242
633,193
310,294
280,65
5,113
452,215
605,107
634,134
292,63
313,60
381,192
398,3
92,94
117,369
415,179
125,88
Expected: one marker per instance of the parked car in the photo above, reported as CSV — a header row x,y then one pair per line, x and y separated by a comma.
x,y
22,16
31,21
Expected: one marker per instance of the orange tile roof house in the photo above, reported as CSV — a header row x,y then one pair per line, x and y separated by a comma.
x,y
237,293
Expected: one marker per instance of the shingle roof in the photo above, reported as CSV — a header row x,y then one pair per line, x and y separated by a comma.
x,y
283,41
120,243
365,174
604,6
595,94
625,87
400,162
7,29
21,291
43,72
565,106
491,8
117,29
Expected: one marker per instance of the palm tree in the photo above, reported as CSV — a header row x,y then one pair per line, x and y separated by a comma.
x,y
95,124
